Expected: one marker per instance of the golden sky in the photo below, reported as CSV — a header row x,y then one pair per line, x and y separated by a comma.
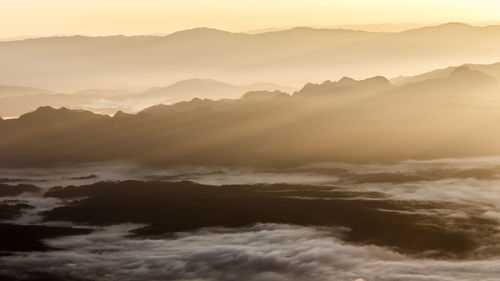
x,y
101,17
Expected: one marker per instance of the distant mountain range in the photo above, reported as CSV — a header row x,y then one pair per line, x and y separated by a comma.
x,y
206,88
490,69
15,101
347,120
289,57
14,91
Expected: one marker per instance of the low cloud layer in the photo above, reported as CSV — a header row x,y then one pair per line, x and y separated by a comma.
x,y
269,252
265,252
110,106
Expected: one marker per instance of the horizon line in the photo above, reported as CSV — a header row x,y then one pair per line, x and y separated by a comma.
x,y
350,27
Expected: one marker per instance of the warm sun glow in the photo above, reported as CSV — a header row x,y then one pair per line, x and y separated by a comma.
x,y
48,17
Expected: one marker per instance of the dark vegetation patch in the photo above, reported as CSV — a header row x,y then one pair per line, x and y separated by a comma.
x,y
12,210
89,177
15,190
186,206
25,275
28,238
9,180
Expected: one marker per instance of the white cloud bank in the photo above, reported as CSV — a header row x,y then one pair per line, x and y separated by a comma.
x,y
266,252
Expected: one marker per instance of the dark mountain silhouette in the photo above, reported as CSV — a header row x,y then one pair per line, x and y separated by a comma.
x,y
29,238
12,210
49,115
14,190
368,120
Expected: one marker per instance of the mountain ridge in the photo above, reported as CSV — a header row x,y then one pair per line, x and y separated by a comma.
x,y
428,119
291,57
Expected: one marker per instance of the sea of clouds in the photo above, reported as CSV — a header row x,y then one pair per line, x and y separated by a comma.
x,y
267,252
264,252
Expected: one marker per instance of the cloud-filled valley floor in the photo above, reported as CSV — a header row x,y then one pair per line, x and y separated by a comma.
x,y
414,220
262,252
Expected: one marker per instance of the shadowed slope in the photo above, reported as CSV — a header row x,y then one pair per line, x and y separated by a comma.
x,y
348,120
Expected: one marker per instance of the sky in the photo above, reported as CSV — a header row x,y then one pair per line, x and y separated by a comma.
x,y
104,17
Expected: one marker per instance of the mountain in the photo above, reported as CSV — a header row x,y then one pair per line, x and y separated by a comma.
x,y
346,85
14,106
490,69
456,116
383,27
289,57
463,76
109,101
13,91
148,60
259,96
26,101
411,51
463,87
206,88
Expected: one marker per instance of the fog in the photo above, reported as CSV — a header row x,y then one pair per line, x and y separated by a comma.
x,y
289,57
261,252
286,154
459,189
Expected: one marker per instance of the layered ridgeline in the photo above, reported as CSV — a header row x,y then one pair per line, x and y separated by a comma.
x,y
15,101
289,57
347,120
490,69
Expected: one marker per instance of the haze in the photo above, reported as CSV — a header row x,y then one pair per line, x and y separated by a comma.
x,y
286,140
94,17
